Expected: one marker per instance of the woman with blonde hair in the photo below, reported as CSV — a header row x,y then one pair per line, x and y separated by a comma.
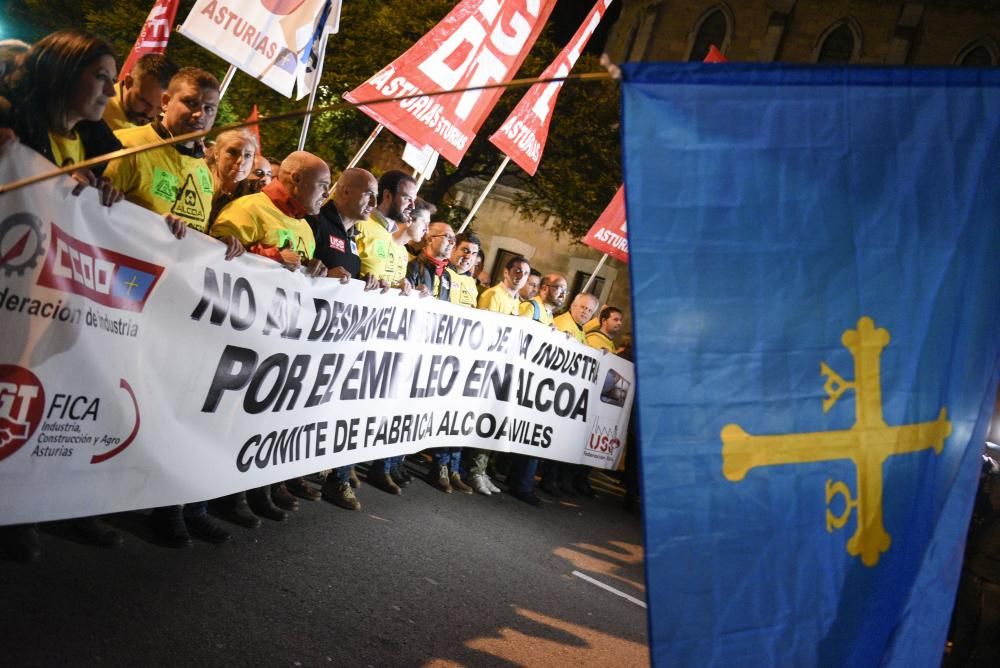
x,y
230,160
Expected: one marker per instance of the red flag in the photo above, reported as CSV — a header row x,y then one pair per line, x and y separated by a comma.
x,y
479,42
255,129
154,34
610,234
522,136
714,55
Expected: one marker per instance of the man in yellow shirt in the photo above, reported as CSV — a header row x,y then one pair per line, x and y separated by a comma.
x,y
572,321
502,297
550,298
464,290
559,478
172,179
611,326
138,97
272,222
380,255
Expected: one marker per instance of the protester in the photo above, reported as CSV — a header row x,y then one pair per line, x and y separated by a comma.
x,y
610,326
550,298
502,297
463,258
411,235
53,101
174,180
262,173
334,228
561,478
10,49
530,288
230,160
138,98
386,260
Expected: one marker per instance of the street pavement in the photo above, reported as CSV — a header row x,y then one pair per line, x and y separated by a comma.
x,y
421,579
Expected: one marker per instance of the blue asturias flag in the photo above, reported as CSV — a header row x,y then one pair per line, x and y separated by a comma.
x,y
815,259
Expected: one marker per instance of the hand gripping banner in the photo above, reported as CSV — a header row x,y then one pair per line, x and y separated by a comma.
x,y
479,42
139,371
818,350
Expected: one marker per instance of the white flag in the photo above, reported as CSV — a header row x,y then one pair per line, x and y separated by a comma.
x,y
424,160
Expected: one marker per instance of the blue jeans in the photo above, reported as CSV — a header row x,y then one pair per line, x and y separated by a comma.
x,y
340,475
387,464
450,457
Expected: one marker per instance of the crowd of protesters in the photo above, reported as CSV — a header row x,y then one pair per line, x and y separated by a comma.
x,y
61,97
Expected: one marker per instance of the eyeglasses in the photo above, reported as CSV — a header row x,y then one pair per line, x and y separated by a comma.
x,y
558,289
449,237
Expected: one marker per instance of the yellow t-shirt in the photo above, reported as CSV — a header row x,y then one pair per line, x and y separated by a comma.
x,y
163,180
527,310
497,299
463,289
565,323
66,150
380,256
114,114
600,341
254,219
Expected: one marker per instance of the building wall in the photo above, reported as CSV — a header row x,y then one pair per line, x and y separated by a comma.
x,y
891,32
501,225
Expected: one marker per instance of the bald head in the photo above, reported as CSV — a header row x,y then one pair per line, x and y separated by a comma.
x,y
356,195
440,241
307,179
583,306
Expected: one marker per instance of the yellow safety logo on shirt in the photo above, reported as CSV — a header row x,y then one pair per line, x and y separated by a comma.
x,y
188,203
165,184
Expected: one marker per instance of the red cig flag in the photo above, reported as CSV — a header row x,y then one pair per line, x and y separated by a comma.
x,y
610,233
522,136
479,42
154,35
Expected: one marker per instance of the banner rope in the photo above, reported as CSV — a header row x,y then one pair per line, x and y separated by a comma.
x,y
291,115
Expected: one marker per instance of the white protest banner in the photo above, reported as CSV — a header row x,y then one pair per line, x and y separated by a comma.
x,y
423,160
264,38
137,370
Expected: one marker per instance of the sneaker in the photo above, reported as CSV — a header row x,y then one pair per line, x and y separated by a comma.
x,y
439,478
489,483
283,498
300,488
480,485
458,485
341,495
382,481
204,527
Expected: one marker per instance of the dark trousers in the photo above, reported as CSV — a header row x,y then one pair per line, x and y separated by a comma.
x,y
521,475
975,631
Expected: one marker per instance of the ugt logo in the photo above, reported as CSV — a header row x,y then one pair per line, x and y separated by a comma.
x,y
22,399
868,443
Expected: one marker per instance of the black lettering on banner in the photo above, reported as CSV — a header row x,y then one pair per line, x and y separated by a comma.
x,y
441,373
546,395
322,390
283,315
370,376
233,372
525,344
222,301
487,375
500,344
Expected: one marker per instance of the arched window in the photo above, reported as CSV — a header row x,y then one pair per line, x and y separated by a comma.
x,y
980,53
714,27
840,44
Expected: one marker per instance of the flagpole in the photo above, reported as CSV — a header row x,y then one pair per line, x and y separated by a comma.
x,y
482,195
364,147
427,165
312,93
593,275
226,80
